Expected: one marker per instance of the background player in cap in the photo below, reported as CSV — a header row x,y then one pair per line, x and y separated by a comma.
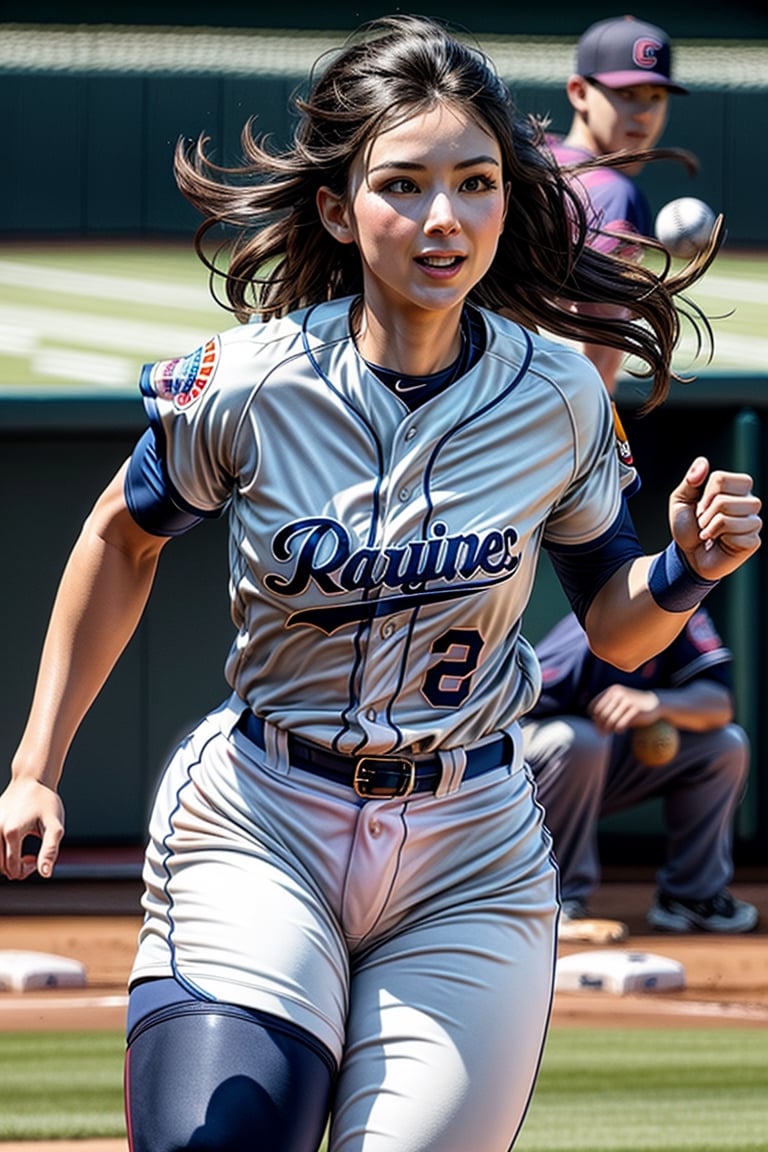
x,y
620,98
350,900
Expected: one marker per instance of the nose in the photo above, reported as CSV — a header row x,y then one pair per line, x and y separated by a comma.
x,y
642,110
441,215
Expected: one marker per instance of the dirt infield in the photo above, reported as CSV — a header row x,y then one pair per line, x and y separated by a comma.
x,y
726,979
65,1146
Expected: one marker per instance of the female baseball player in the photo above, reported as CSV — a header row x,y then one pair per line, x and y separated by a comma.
x,y
350,903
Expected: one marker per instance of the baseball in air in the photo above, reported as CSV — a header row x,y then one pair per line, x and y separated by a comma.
x,y
684,226
655,744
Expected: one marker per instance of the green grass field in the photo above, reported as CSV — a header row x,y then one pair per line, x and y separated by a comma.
x,y
669,1091
88,315
61,1085
600,1090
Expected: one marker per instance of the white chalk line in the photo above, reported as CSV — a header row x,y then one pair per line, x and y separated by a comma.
x,y
29,1003
101,286
650,1005
46,336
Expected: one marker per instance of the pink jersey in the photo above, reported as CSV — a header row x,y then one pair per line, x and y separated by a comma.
x,y
615,202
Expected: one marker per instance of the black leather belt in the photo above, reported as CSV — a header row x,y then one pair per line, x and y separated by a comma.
x,y
380,777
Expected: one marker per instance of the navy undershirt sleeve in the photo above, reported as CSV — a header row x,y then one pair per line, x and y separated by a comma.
x,y
153,502
584,569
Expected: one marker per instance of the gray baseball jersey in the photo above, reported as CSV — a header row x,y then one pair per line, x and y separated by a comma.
x,y
381,558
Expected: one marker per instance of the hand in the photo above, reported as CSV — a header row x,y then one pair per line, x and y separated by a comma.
x,y
714,518
618,708
29,808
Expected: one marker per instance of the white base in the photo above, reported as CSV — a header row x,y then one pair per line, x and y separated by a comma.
x,y
618,971
20,971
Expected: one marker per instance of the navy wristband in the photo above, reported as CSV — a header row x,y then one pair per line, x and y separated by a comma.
x,y
673,584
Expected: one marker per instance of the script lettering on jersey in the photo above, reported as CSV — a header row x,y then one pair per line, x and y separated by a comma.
x,y
319,549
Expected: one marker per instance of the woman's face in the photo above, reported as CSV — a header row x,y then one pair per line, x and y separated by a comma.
x,y
425,207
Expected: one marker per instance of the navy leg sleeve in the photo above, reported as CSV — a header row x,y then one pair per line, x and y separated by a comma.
x,y
221,1078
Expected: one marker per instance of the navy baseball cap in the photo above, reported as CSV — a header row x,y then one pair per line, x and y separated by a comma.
x,y
624,51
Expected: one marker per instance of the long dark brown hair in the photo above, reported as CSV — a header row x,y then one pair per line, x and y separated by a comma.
x,y
281,258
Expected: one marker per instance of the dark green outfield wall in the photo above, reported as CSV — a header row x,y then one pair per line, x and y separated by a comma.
x,y
91,154
56,453
557,17
91,111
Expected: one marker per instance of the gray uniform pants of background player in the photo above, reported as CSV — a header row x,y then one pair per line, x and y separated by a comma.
x,y
582,775
415,939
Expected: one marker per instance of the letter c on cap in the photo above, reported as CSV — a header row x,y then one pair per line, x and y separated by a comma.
x,y
644,52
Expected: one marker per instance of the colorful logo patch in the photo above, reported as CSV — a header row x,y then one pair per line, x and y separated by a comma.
x,y
622,443
185,379
645,52
702,633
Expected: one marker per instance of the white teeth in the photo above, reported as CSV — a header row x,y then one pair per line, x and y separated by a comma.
x,y
439,261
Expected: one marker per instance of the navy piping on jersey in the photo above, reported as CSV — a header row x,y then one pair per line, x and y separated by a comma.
x,y
198,993
474,347
352,695
583,569
476,340
470,420
480,343
416,390
475,343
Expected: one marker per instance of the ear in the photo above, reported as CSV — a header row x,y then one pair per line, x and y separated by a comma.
x,y
576,90
334,216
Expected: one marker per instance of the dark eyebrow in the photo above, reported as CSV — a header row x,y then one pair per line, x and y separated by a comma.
x,y
412,166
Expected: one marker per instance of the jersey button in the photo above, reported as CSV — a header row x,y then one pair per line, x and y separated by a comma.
x,y
410,434
388,629
375,828
403,494
371,714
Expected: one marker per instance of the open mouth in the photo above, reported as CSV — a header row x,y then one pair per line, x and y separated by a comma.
x,y
439,261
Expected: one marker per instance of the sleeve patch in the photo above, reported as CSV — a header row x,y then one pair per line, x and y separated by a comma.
x,y
184,379
702,633
622,443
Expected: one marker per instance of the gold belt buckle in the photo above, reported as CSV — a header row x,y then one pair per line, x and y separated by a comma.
x,y
366,781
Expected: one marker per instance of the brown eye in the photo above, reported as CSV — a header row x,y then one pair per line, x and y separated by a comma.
x,y
401,185
478,184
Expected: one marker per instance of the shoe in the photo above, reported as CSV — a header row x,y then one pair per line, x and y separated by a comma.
x,y
722,913
574,909
577,925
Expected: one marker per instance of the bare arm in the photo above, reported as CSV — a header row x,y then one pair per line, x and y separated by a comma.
x,y
699,706
607,360
100,600
714,519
